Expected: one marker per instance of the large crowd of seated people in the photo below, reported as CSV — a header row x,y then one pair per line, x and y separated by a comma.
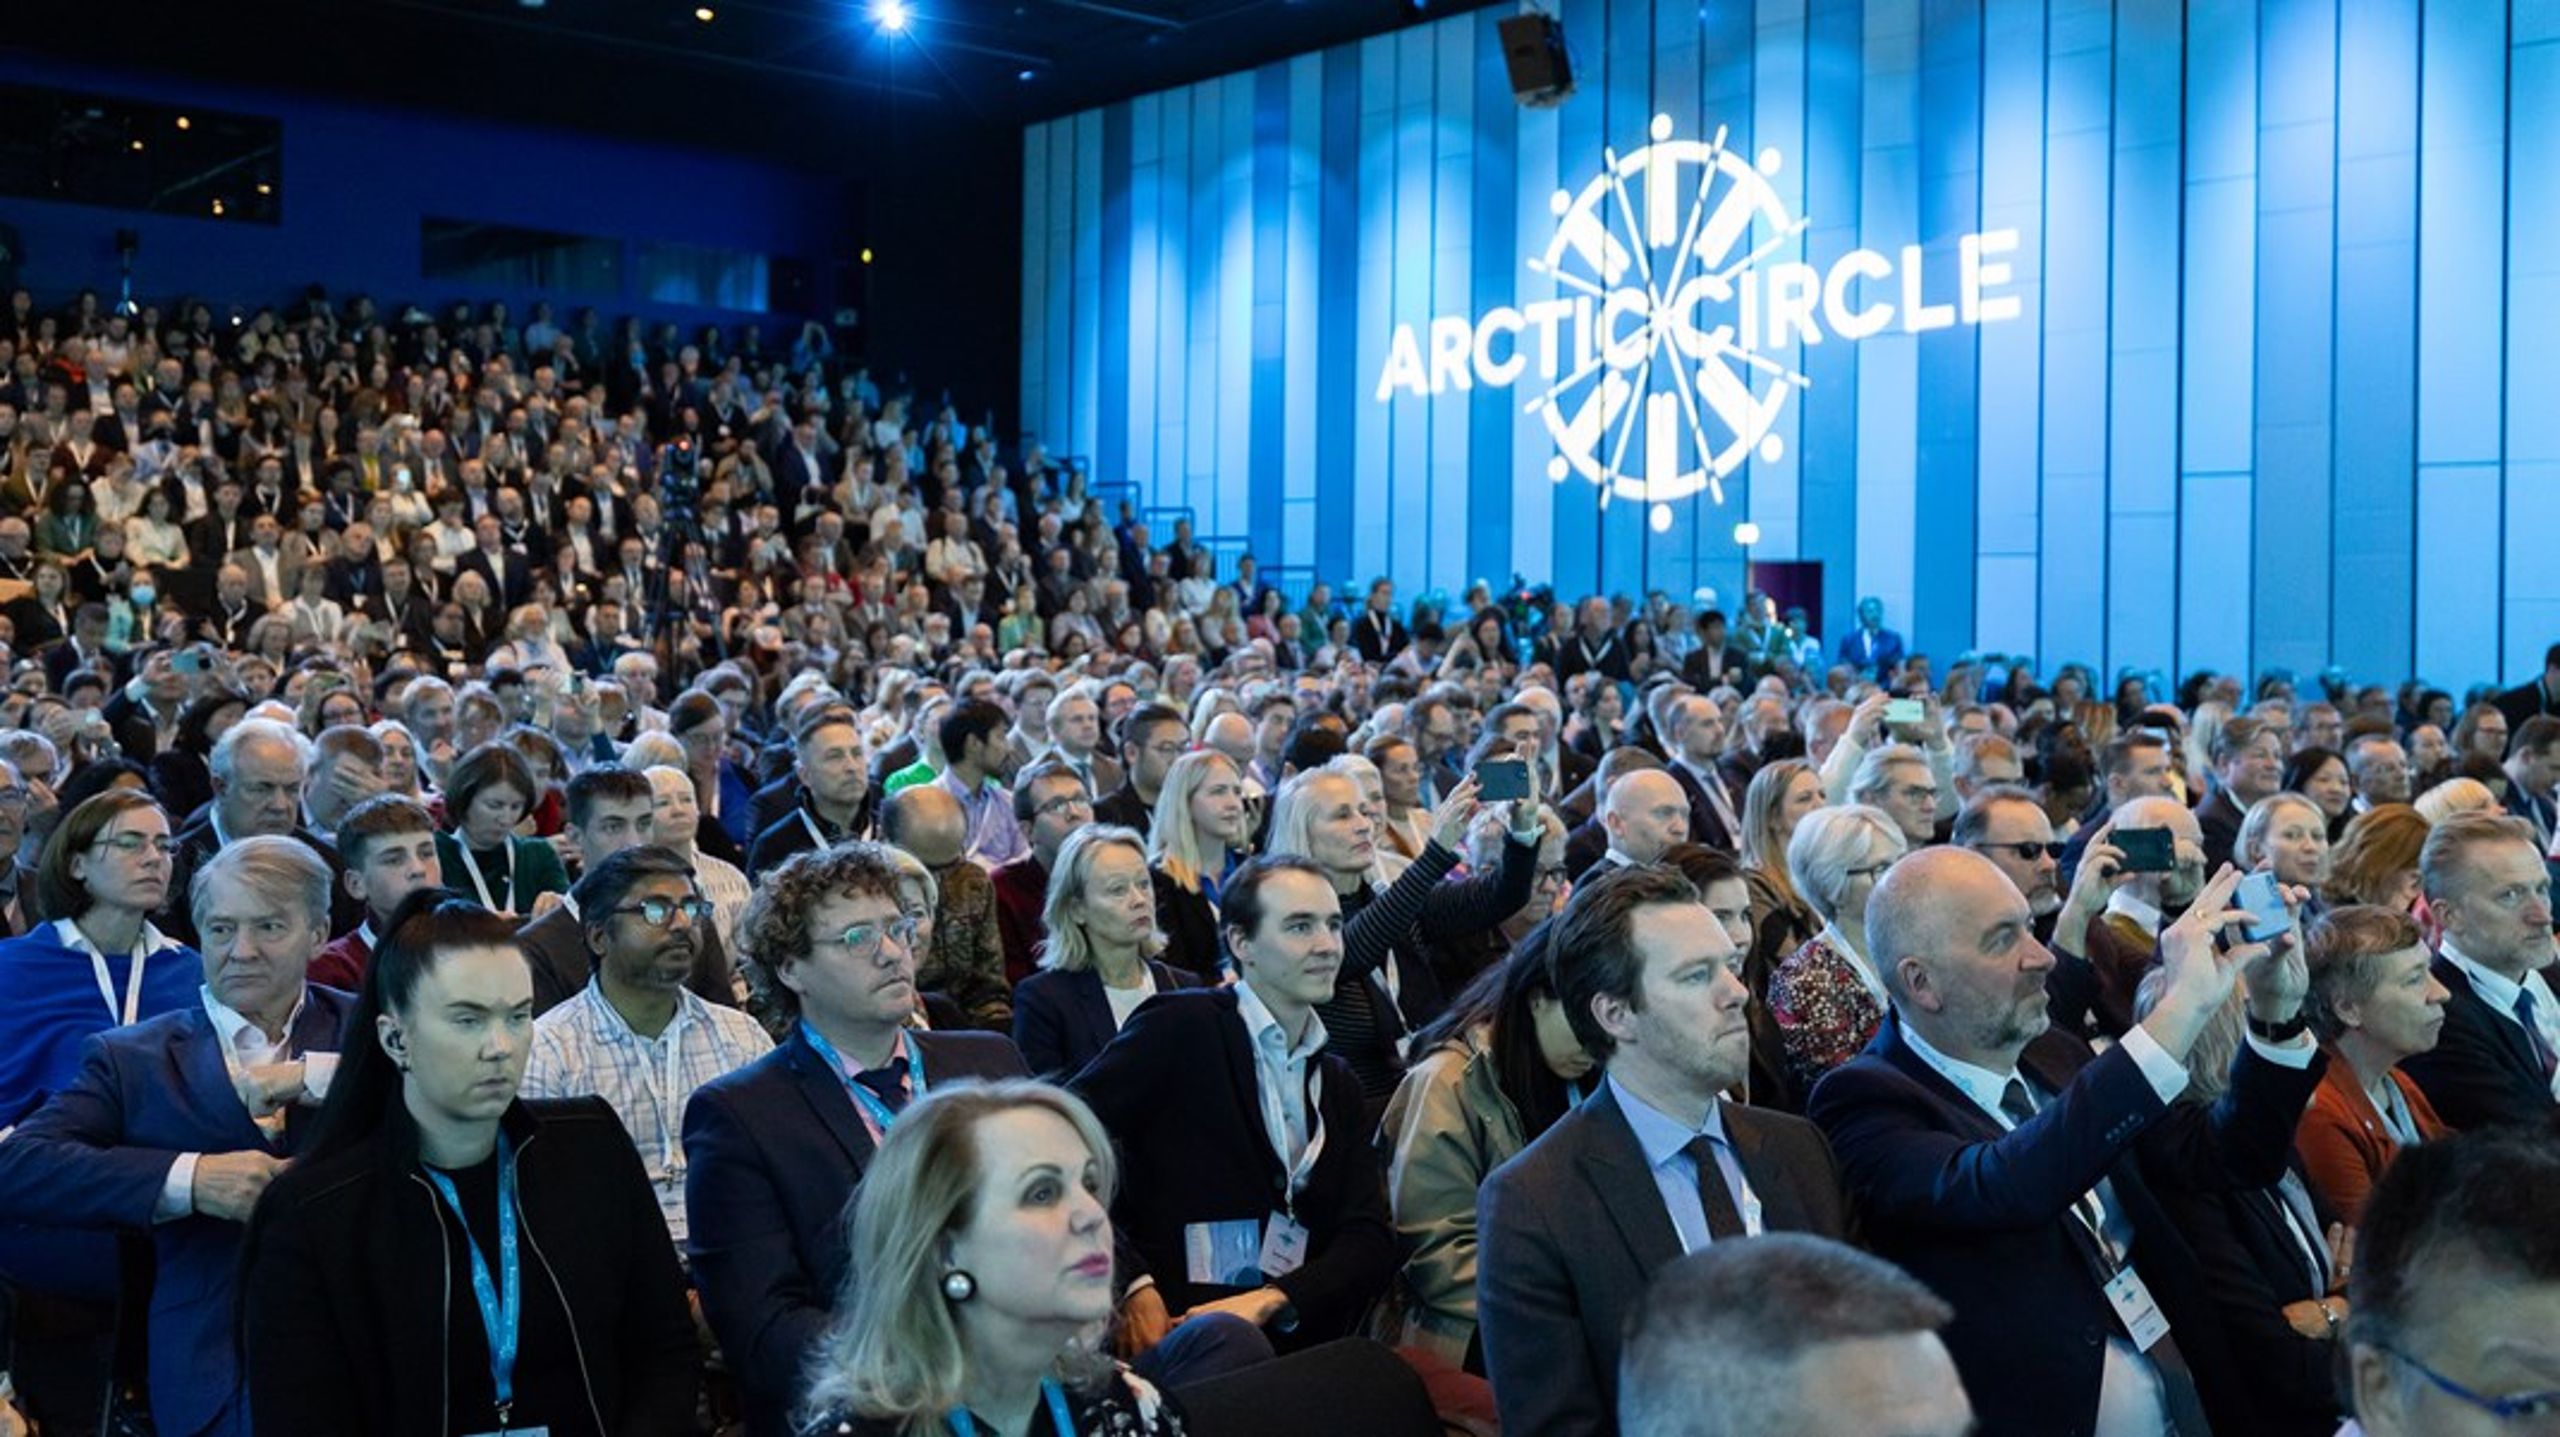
x,y
568,878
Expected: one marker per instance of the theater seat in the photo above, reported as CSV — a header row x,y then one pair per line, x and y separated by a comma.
x,y
1351,1388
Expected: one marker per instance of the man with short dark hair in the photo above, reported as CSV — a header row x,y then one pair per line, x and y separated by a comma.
x,y
2248,764
389,847
2059,1261
609,808
977,758
2533,770
2134,765
1248,1184
2539,695
834,777
1657,1162
2455,1300
633,1036
2489,891
1151,738
1790,1334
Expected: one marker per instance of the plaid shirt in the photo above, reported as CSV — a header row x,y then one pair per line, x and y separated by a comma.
x,y
584,1046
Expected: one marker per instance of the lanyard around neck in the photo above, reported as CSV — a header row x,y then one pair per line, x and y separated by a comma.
x,y
471,865
1062,1422
132,1008
502,1306
874,1108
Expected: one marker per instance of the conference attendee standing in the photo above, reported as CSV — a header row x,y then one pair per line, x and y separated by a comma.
x,y
175,1125
633,1036
1655,1164
1492,1073
1872,649
983,1240
2489,891
2058,1259
1249,1190
1100,961
2375,1003
445,1257
774,1150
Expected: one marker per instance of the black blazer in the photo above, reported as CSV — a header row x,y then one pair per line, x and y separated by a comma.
x,y
196,846
2253,1267
1571,1230
1062,1020
1704,825
2219,817
348,1308
2482,1070
773,1153
1189,923
1983,1215
1178,1091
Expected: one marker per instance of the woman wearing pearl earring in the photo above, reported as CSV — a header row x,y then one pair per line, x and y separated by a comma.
x,y
982,1234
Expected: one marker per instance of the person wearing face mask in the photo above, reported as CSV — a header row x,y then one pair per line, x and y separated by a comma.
x,y
1203,829
1099,962
984,1243
1495,1071
445,1256
175,1125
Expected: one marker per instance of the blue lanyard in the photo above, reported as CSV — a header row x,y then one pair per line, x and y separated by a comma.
x,y
501,1310
1062,1422
864,1098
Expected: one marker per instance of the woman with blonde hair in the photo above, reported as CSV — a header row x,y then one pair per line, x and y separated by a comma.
x,y
1201,829
981,1264
2287,834
1099,961
2455,795
1827,997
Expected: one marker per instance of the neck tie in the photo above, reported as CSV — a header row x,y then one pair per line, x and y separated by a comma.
x,y
1724,1220
2533,1031
889,1083
2017,1102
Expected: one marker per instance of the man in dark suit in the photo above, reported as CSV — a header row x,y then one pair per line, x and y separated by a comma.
x,y
1654,1164
2248,764
507,572
257,789
2488,887
2536,697
2002,1163
1697,743
1151,738
1713,661
832,778
1872,649
609,808
176,1125
1248,1186
775,1150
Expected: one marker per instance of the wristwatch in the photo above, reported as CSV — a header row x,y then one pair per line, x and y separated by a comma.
x,y
2284,1032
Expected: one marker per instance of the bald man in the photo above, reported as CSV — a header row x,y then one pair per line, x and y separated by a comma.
x,y
1643,813
2058,1260
966,959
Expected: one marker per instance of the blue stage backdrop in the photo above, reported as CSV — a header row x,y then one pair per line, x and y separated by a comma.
x,y
2152,335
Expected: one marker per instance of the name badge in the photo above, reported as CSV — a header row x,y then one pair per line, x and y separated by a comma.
x,y
1284,1246
1223,1254
2142,1318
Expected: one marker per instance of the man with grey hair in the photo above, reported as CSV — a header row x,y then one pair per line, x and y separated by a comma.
x,y
2070,1283
1898,779
1643,813
1075,737
258,770
2489,891
2380,768
174,1126
346,769
17,875
1791,1334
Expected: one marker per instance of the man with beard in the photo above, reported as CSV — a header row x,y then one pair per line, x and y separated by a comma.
x,y
2005,1165
634,1036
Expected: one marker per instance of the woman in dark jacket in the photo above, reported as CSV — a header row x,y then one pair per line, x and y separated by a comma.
x,y
378,1286
1201,830
1386,988
1098,963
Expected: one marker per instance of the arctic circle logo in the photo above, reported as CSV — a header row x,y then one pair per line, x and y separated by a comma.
x,y
1656,365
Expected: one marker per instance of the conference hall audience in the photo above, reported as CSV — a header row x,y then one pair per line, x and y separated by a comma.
x,y
740,699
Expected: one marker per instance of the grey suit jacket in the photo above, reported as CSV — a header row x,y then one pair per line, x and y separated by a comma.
x,y
1572,1229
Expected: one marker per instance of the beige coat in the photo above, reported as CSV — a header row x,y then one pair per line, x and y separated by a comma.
x,y
1447,1127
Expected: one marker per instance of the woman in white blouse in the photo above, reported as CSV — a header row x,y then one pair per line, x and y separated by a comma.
x,y
151,538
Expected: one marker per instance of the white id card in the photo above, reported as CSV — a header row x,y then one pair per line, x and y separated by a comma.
x,y
1223,1254
2142,1318
317,1070
1284,1246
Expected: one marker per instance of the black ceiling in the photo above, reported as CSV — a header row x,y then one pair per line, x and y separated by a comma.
x,y
815,82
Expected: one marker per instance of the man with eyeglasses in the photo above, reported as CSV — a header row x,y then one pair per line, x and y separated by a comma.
x,y
634,1036
2455,1304
1900,780
774,1151
17,876
1050,802
1151,738
2007,824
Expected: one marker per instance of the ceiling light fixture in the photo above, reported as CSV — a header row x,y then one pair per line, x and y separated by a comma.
x,y
891,15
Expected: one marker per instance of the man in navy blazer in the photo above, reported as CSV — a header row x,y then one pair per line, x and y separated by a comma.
x,y
2487,885
774,1151
2001,1162
1572,1230
1284,1195
175,1125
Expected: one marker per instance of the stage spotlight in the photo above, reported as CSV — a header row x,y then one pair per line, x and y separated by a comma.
x,y
891,15
704,13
